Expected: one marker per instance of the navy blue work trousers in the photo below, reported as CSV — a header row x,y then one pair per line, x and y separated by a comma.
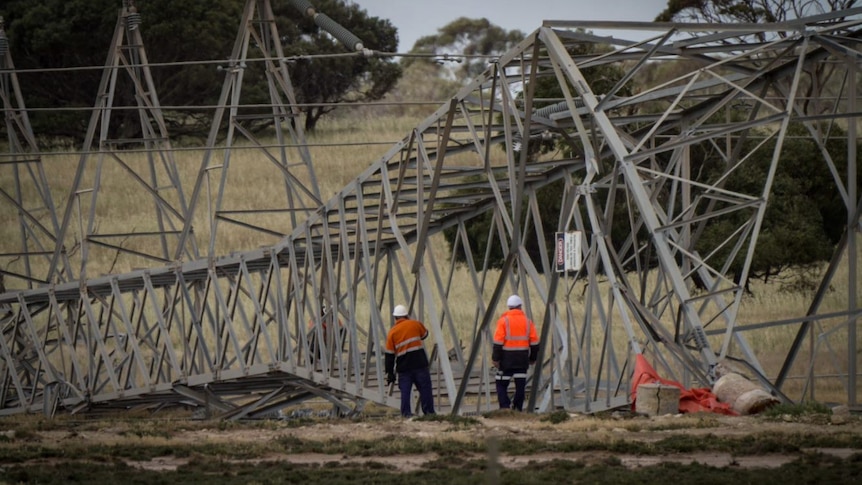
x,y
503,379
421,378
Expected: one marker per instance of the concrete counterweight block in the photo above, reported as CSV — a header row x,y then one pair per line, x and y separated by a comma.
x,y
657,399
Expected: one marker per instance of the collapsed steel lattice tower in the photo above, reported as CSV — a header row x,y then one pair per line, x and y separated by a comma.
x,y
230,332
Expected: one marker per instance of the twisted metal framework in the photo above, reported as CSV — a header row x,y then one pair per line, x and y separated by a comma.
x,y
231,333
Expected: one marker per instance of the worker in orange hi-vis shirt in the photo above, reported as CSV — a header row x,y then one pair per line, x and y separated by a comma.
x,y
405,352
516,348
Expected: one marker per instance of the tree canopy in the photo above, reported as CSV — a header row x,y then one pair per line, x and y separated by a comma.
x,y
749,11
462,38
805,215
64,43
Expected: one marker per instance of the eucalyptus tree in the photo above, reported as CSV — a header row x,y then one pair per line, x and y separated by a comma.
x,y
60,47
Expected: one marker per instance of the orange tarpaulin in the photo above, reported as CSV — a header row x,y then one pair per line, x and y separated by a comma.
x,y
690,400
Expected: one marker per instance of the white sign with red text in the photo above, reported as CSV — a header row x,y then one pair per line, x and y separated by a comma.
x,y
567,251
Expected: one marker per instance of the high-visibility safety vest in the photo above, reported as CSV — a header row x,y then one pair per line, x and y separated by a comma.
x,y
515,331
404,345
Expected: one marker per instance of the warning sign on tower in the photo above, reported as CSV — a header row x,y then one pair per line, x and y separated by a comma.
x,y
568,251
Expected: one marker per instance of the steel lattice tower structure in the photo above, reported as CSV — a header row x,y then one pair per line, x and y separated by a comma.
x,y
229,331
23,172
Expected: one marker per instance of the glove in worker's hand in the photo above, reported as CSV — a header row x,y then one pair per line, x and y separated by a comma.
x,y
390,378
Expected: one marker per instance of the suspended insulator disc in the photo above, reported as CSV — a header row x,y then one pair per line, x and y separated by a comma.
x,y
134,20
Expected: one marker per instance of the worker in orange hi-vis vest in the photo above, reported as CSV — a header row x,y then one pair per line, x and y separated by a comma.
x,y
405,352
516,348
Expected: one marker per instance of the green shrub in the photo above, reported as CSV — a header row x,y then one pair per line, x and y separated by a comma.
x,y
556,417
796,410
460,421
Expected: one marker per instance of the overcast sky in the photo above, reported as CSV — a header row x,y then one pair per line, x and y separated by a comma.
x,y
418,18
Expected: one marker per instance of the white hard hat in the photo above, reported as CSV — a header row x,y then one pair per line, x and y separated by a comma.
x,y
399,311
514,301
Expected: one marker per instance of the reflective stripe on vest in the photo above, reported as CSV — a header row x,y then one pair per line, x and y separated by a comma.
x,y
400,347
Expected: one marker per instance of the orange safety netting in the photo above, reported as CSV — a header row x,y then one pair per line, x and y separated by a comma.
x,y
690,400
